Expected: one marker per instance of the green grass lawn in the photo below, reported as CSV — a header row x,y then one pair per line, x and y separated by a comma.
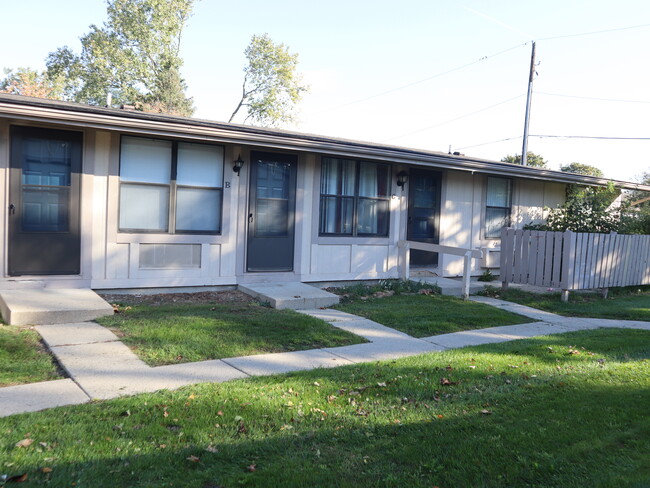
x,y
630,303
558,411
427,315
169,334
22,358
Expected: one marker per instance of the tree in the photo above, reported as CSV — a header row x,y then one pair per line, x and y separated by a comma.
x,y
271,87
534,160
134,56
636,212
581,169
585,210
31,83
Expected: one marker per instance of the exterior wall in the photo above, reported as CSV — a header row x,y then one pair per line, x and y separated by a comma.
x,y
117,255
353,258
463,213
111,259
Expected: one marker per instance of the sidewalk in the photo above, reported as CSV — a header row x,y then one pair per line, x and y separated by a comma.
x,y
99,366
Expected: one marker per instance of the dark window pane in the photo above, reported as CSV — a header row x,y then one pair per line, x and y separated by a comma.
x,y
495,219
45,209
144,207
498,192
198,210
373,180
272,180
338,177
272,218
372,217
424,193
336,215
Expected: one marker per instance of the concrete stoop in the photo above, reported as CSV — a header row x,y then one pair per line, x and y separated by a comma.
x,y
295,296
450,286
51,306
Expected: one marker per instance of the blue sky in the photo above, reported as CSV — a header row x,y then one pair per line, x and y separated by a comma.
x,y
387,71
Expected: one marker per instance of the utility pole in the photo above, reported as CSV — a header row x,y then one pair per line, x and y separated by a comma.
x,y
531,76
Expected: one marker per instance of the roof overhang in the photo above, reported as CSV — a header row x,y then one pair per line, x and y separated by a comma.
x,y
38,110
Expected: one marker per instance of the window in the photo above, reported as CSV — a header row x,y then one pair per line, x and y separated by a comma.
x,y
354,198
497,206
172,187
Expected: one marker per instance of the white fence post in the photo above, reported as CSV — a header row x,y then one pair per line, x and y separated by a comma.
x,y
568,263
467,268
404,259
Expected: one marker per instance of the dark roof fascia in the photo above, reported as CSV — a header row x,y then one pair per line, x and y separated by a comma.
x,y
235,133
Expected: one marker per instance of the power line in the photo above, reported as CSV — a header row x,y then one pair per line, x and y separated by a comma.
x,y
491,142
542,136
437,75
455,119
592,98
594,32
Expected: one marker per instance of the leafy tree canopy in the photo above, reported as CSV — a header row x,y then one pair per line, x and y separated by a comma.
x,y
534,160
582,169
31,83
134,56
272,87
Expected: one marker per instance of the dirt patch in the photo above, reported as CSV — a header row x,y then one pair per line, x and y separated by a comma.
x,y
230,296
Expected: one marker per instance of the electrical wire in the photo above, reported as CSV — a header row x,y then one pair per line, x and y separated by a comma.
x,y
544,136
592,98
594,32
455,119
437,75
491,142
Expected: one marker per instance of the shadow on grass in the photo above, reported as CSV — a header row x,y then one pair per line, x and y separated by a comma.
x,y
385,424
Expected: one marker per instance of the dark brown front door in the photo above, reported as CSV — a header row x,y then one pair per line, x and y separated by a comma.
x,y
272,203
424,214
44,236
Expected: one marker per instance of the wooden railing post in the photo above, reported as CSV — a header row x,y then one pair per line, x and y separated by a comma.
x,y
568,263
505,262
404,259
467,268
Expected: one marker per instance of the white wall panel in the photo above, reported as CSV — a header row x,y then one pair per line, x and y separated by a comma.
x,y
369,259
330,259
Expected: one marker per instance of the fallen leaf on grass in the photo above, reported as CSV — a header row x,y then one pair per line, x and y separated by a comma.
x,y
24,443
46,470
251,468
19,478
486,412
447,382
194,459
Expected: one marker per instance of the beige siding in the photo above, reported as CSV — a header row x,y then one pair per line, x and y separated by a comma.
x,y
111,259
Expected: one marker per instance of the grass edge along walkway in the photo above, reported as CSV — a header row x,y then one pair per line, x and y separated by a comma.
x,y
23,359
556,411
427,315
181,333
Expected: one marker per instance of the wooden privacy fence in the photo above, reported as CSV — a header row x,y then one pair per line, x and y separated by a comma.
x,y
574,261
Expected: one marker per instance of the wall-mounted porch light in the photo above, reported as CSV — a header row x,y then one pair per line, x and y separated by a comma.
x,y
237,164
402,178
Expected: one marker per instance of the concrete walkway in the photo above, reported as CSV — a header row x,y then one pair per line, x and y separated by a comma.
x,y
101,367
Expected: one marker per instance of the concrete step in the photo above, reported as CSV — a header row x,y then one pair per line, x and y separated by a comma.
x,y
51,306
452,287
295,296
